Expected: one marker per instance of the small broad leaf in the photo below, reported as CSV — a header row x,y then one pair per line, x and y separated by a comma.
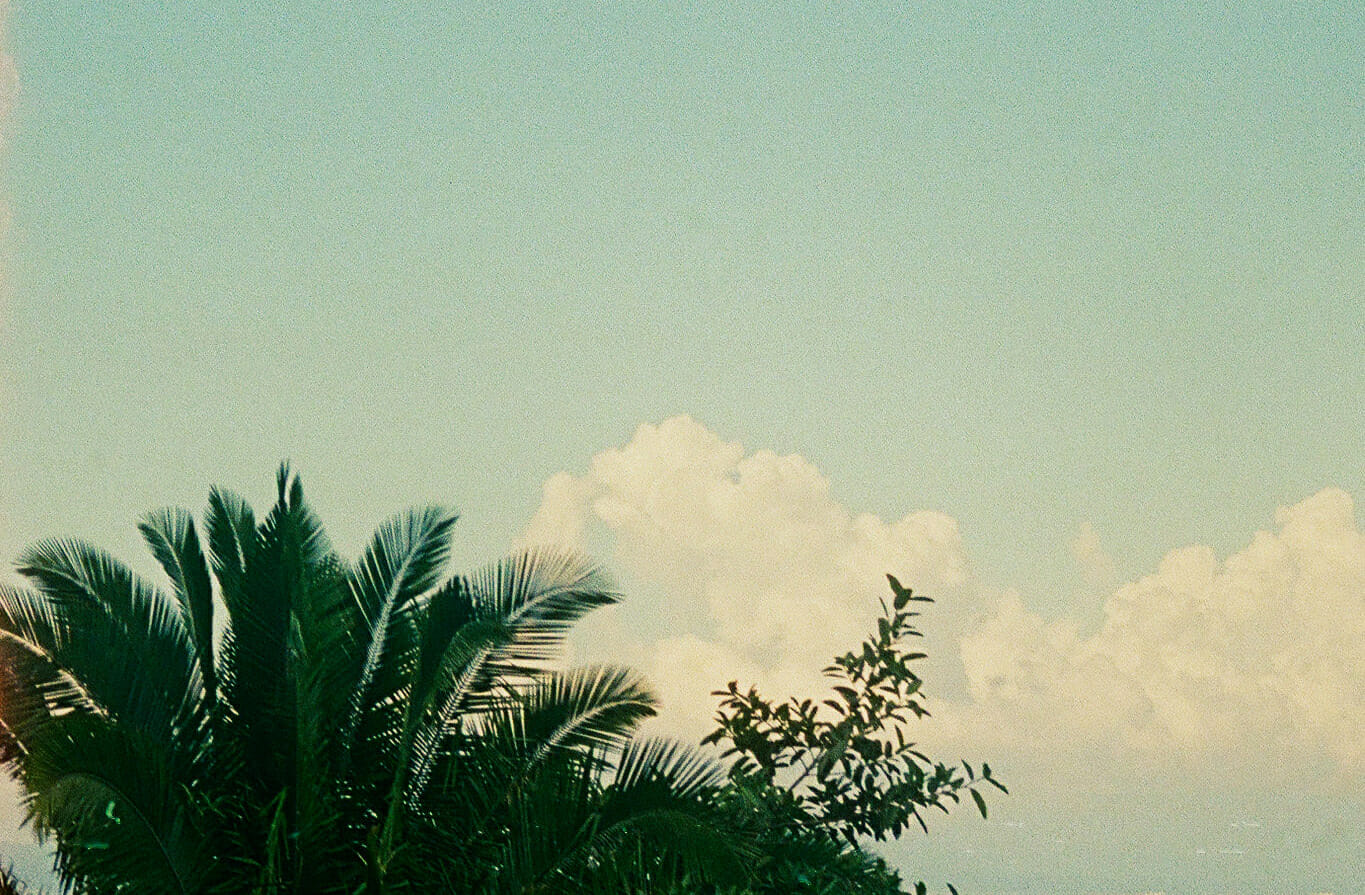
x,y
901,591
980,802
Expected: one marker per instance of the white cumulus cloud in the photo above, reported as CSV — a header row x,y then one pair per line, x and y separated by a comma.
x,y
762,575
1255,659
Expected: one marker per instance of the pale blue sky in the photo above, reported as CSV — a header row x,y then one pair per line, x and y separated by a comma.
x,y
1035,267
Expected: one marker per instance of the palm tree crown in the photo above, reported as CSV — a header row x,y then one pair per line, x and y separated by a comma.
x,y
281,720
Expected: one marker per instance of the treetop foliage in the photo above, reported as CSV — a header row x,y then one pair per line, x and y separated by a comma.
x,y
844,766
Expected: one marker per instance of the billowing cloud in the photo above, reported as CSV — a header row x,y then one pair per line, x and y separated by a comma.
x,y
742,565
760,574
1260,656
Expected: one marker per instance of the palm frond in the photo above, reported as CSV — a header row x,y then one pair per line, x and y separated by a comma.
x,y
325,637
171,536
124,640
231,527
540,593
555,733
402,563
546,822
663,796
530,600
289,547
34,692
444,616
436,709
656,819
664,766
111,799
33,618
588,708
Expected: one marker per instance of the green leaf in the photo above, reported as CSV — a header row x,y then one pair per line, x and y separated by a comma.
x,y
902,593
980,802
848,693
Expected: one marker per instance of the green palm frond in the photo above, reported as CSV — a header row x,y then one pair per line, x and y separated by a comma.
x,y
456,681
589,708
402,563
534,761
325,638
541,594
110,795
534,598
32,618
663,795
34,693
663,766
171,536
656,820
231,527
451,638
548,820
261,688
126,643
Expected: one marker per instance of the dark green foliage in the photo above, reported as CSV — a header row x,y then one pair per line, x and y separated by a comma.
x,y
814,778
280,720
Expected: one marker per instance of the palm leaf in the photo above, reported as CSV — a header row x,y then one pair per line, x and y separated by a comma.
x,y
451,677
540,593
260,674
111,798
231,527
657,818
402,563
585,709
171,536
125,641
34,692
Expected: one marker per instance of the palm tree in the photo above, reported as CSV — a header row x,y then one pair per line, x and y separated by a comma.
x,y
280,720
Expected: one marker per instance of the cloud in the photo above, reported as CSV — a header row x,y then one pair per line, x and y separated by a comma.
x,y
1256,659
762,575
742,565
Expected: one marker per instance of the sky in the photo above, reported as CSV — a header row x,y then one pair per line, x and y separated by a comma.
x,y
1055,311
